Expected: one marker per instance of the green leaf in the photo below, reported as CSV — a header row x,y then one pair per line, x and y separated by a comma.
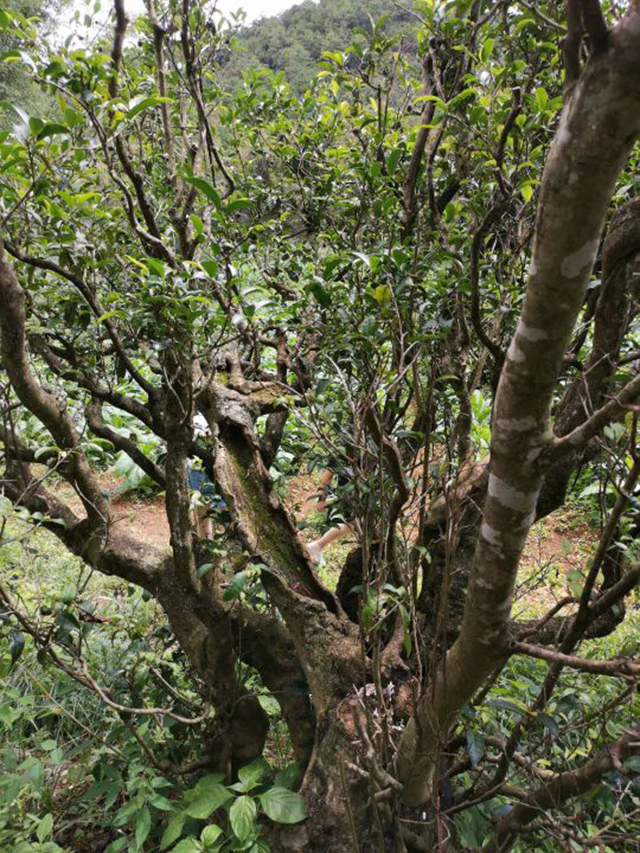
x,y
138,105
173,830
575,582
156,266
330,265
234,590
205,187
8,716
143,267
239,204
7,105
210,834
288,777
633,763
438,101
209,784
44,827
549,723
112,792
204,569
68,593
252,773
382,294
486,50
143,825
108,315
320,293
52,130
188,845
542,98
198,224
208,802
460,98
392,160
242,817
16,645
406,627
161,803
507,705
210,267
475,746
527,191
283,806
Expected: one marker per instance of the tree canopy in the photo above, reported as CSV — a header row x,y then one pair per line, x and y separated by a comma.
x,y
419,272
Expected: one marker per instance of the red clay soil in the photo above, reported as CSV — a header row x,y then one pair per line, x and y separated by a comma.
x,y
554,548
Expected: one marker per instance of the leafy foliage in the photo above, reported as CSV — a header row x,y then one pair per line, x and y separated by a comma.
x,y
172,233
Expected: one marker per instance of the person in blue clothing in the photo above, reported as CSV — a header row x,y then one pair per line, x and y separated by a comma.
x,y
200,482
318,502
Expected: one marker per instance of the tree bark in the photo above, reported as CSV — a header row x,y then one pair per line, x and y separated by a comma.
x,y
599,125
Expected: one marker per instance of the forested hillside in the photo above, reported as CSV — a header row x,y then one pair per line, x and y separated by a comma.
x,y
294,41
16,83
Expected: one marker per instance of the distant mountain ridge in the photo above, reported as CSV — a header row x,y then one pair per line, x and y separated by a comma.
x,y
294,41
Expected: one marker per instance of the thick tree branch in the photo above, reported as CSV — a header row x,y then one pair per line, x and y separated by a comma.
x,y
409,197
178,391
326,642
615,666
118,556
554,792
93,412
276,422
571,44
45,406
599,126
595,24
92,302
264,643
614,410
504,136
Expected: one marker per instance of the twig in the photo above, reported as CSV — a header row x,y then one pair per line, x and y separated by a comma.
x,y
616,666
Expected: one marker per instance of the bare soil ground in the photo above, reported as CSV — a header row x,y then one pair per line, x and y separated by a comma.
x,y
140,517
558,547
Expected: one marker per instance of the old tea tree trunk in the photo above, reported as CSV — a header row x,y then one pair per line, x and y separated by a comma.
x,y
355,797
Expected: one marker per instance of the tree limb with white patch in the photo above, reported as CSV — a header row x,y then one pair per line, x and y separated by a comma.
x,y
598,128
